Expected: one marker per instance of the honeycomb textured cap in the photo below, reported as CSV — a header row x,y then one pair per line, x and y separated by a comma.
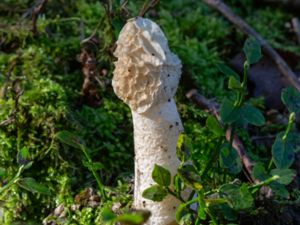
x,y
146,72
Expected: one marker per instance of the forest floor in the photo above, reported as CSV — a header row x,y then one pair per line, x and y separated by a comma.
x,y
66,140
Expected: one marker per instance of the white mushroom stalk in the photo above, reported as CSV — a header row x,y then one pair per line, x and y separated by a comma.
x,y
146,78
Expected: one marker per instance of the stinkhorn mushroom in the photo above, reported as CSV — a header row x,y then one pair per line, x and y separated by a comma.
x,y
146,77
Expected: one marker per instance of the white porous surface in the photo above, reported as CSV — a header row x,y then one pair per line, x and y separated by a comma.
x,y
146,78
147,72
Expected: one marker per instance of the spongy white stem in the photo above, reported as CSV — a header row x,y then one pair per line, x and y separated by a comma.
x,y
155,136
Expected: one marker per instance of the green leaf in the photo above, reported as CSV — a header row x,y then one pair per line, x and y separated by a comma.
x,y
252,50
2,173
155,193
70,139
130,219
183,147
31,185
230,159
252,115
190,177
285,175
226,70
234,84
239,196
108,215
28,165
202,205
229,213
213,124
293,140
178,184
259,172
93,165
161,175
229,113
291,98
280,190
23,156
282,152
180,212
187,219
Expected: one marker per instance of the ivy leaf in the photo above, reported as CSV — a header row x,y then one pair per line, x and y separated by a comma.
x,y
252,115
70,139
252,50
282,152
161,175
291,98
239,196
230,159
213,124
155,193
31,185
285,175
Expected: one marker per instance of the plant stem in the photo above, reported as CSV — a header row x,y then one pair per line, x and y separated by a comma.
x,y
98,179
289,127
270,164
14,180
266,182
174,194
244,84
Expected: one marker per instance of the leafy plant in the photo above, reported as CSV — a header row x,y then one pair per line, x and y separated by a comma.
x,y
223,203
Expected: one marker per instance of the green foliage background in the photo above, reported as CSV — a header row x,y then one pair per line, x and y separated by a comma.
x,y
48,71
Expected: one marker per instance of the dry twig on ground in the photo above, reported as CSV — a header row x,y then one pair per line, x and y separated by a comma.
x,y
247,29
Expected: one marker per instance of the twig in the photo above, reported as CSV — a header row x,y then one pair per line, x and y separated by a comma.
x,y
35,14
296,27
147,6
243,26
237,144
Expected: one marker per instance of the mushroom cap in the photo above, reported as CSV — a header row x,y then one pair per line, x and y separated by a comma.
x,y
146,72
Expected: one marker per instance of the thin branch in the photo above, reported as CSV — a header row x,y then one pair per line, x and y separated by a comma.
x,y
237,144
147,6
247,29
